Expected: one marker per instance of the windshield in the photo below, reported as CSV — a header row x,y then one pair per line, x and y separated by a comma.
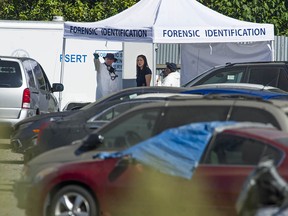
x,y
10,74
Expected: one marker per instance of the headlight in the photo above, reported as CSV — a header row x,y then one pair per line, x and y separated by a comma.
x,y
34,140
43,173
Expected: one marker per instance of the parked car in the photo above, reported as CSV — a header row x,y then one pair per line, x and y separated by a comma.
x,y
25,92
274,73
116,184
145,121
80,124
25,132
62,133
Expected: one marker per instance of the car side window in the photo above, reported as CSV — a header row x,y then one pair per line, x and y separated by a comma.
x,y
137,127
225,75
29,74
268,76
39,75
177,116
283,80
236,150
114,111
253,115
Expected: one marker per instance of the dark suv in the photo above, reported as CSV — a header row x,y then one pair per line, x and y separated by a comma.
x,y
264,73
145,121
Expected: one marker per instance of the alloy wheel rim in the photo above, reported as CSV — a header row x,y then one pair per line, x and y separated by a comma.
x,y
72,204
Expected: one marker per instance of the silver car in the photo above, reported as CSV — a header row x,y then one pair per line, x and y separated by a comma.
x,y
25,91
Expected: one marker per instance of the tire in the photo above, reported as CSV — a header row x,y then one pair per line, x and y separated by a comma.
x,y
87,205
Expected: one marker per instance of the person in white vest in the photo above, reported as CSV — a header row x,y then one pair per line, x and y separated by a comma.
x,y
171,77
107,80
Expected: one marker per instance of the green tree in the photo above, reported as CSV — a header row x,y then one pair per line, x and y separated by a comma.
x,y
260,11
72,10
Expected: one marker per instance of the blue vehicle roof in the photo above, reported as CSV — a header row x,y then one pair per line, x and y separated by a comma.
x,y
257,93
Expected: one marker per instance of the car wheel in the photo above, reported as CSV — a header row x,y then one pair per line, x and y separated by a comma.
x,y
73,200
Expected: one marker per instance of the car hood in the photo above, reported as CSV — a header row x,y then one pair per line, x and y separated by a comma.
x,y
44,116
62,155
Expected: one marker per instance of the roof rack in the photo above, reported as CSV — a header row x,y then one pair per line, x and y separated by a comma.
x,y
234,96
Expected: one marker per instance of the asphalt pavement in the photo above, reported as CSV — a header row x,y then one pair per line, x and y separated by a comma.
x,y
11,165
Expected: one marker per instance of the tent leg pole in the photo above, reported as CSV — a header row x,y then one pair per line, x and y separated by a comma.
x,y
154,64
62,69
272,45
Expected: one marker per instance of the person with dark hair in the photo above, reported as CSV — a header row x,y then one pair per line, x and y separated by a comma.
x,y
144,73
171,77
107,79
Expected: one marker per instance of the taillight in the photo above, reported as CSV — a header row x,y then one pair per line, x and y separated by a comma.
x,y
26,98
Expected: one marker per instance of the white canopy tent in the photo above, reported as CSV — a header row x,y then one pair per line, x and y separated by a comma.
x,y
166,21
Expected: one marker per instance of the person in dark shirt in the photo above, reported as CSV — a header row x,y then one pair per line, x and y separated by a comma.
x,y
144,73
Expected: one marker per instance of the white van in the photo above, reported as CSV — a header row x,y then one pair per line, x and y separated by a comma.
x,y
24,91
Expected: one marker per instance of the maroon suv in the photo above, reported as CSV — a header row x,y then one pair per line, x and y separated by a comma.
x,y
113,185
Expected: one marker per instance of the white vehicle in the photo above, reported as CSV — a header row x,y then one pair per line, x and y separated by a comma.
x,y
25,91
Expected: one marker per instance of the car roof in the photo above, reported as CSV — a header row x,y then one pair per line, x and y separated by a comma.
x,y
21,58
247,86
219,99
239,91
267,133
166,95
229,64
256,63
134,91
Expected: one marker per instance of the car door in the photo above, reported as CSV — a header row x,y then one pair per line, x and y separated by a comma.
x,y
134,187
47,101
225,165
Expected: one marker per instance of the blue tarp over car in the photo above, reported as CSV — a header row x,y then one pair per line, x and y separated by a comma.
x,y
176,151
225,91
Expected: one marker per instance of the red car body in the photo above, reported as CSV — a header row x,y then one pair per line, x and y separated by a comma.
x,y
119,188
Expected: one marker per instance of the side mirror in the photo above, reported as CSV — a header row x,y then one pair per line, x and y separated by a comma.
x,y
57,87
90,142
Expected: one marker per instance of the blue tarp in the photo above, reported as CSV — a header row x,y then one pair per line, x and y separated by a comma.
x,y
176,151
262,94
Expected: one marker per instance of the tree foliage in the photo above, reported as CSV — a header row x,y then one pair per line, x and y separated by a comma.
x,y
71,10
260,11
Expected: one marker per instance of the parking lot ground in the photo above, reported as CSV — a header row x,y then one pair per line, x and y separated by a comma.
x,y
11,165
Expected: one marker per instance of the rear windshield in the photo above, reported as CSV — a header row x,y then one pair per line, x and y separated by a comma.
x,y
10,74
